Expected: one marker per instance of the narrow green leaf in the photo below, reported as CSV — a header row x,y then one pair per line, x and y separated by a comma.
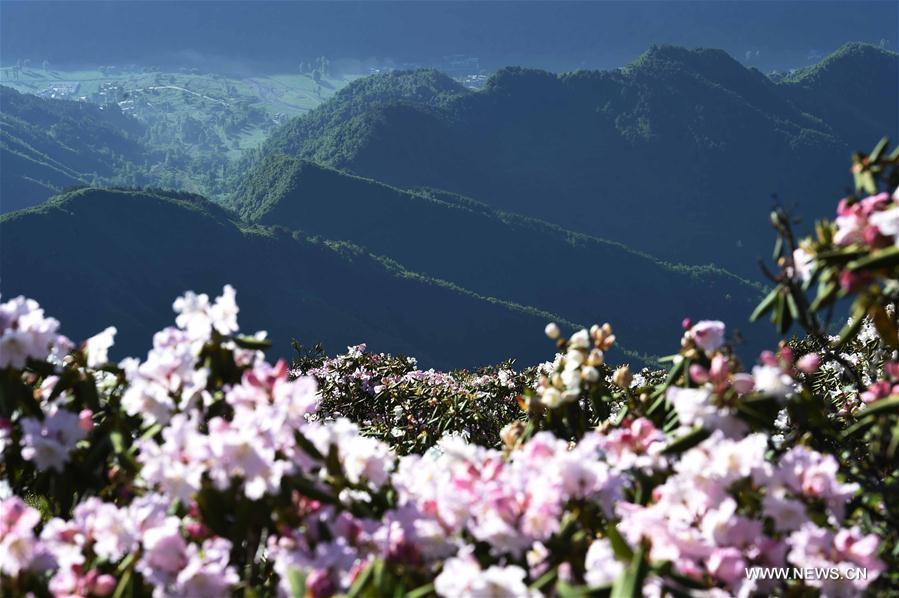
x,y
687,441
883,258
765,306
620,547
877,152
630,583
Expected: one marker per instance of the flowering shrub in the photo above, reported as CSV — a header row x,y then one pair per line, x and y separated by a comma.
x,y
411,409
204,470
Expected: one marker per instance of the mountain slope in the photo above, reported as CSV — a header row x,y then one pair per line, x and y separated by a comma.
x,y
850,89
47,145
497,253
138,250
679,154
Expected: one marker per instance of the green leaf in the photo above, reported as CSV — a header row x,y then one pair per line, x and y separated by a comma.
x,y
826,292
864,181
630,583
306,445
859,309
687,441
884,258
620,547
124,583
877,152
544,580
765,306
883,406
362,580
421,591
252,343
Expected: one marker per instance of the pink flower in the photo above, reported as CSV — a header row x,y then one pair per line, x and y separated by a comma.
x,y
708,334
809,363
49,442
727,564
20,549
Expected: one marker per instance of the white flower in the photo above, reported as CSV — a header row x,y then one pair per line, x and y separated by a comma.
x,y
887,222
25,332
552,330
462,577
772,381
601,567
551,397
803,264
97,347
580,339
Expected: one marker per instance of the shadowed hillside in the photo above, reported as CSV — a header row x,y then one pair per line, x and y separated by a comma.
x,y
497,253
136,251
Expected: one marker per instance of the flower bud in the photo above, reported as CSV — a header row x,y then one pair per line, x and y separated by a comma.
x,y
86,419
622,377
590,374
596,358
102,585
552,330
809,363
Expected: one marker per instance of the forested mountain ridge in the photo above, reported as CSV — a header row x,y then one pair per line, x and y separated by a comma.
x,y
46,145
675,154
496,253
138,250
425,87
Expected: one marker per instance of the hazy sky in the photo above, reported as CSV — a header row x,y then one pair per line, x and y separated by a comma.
x,y
559,35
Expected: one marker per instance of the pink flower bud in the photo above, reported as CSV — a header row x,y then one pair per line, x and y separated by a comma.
x,y
699,374
686,323
742,383
786,354
86,419
890,368
852,281
720,368
104,585
768,358
809,363
196,530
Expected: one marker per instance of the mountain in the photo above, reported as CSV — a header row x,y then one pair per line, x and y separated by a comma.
x,y
48,145
496,253
98,257
824,90
679,154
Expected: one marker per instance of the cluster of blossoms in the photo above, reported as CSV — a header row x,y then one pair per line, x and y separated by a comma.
x,y
577,368
25,333
394,400
226,467
717,386
872,221
205,470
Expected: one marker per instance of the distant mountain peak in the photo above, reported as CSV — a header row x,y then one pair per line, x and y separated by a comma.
x,y
848,61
